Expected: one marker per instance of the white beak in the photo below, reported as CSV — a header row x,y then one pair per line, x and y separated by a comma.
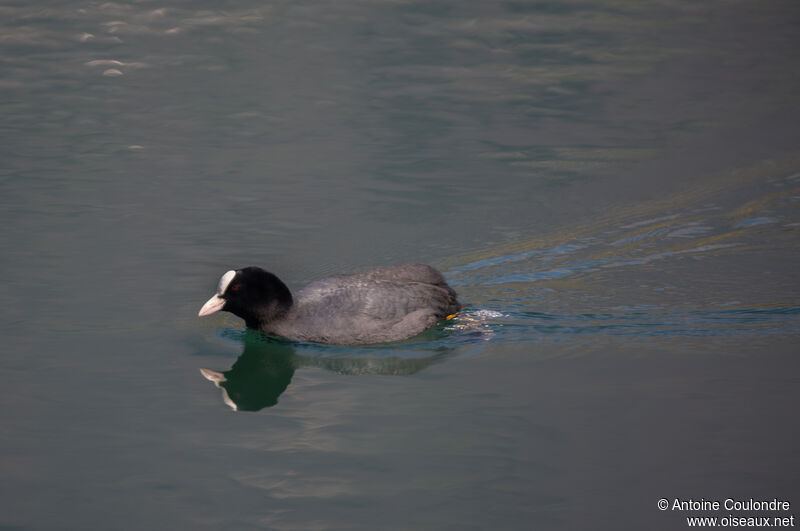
x,y
213,376
214,304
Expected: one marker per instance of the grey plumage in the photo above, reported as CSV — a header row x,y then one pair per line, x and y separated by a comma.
x,y
381,305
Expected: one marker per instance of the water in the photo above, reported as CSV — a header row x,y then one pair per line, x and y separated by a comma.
x,y
612,188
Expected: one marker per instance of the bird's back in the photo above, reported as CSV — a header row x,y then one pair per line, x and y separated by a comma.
x,y
385,304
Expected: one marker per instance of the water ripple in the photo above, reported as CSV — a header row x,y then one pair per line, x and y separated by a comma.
x,y
715,270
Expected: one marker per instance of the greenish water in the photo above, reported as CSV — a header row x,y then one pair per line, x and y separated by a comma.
x,y
611,187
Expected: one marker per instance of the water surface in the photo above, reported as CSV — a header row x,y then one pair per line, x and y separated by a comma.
x,y
611,187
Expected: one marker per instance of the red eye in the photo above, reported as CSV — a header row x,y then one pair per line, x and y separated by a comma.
x,y
235,287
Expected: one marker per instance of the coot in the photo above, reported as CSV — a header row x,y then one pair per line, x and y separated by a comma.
x,y
385,304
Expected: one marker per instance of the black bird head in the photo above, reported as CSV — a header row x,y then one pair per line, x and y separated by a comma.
x,y
255,295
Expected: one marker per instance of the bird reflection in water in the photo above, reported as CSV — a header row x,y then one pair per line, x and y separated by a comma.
x,y
265,368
